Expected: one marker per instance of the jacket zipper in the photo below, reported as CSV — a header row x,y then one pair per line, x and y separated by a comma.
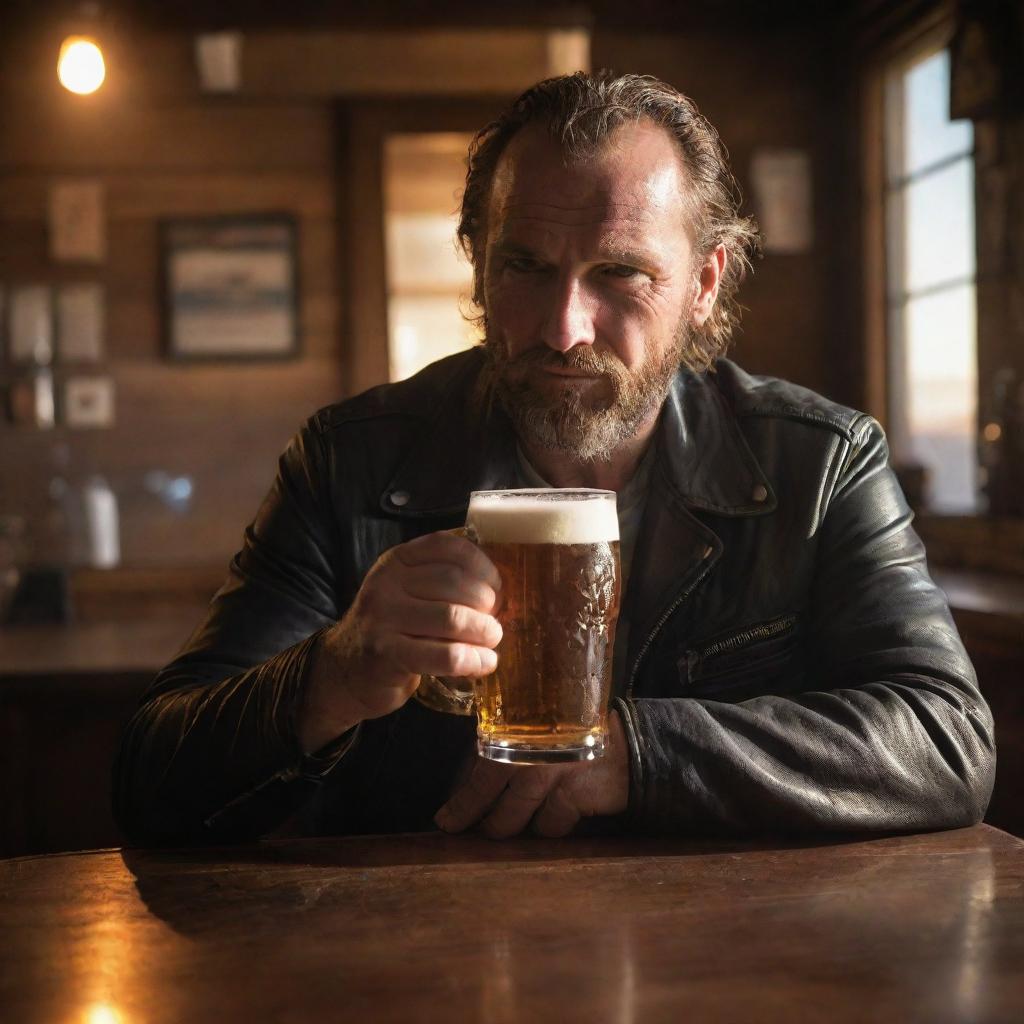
x,y
683,595
285,775
765,631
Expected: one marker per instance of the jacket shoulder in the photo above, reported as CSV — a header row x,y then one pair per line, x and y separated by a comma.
x,y
418,397
752,395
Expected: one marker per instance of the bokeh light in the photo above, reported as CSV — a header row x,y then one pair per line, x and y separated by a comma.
x,y
80,66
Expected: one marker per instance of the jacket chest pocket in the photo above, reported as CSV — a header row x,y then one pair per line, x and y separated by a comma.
x,y
764,657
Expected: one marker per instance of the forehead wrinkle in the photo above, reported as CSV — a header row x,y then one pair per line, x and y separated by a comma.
x,y
629,244
562,216
652,191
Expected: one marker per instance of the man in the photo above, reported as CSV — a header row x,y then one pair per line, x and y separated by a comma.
x,y
784,662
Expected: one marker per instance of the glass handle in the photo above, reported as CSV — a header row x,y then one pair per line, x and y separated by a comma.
x,y
443,695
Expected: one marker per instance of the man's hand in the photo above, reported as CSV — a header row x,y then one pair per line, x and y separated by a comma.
x,y
425,607
505,798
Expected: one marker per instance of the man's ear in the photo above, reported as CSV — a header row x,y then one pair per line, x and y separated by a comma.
x,y
708,283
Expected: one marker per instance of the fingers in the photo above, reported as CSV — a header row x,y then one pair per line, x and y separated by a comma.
x,y
440,639
442,621
449,548
558,815
527,790
422,655
413,598
471,800
445,581
504,799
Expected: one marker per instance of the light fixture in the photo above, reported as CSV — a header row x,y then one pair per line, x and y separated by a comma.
x,y
80,66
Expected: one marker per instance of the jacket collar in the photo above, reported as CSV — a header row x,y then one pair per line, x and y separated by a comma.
x,y
704,459
469,444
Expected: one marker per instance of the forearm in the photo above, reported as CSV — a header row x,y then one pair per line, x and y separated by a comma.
x,y
902,755
220,761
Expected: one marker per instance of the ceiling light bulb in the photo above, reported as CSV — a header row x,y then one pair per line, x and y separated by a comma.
x,y
80,66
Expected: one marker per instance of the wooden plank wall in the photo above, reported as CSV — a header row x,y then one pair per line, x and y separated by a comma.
x,y
163,150
224,425
767,89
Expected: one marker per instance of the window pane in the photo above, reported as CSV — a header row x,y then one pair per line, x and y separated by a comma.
x,y
422,255
929,135
429,282
939,214
941,387
425,328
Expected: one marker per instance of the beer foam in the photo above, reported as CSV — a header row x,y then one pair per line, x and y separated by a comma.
x,y
533,518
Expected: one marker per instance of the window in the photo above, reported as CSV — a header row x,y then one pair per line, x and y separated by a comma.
x,y
931,304
429,281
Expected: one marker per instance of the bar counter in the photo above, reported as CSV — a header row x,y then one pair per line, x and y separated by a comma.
x,y
438,928
145,639
66,692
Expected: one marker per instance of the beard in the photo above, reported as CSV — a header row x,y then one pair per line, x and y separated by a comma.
x,y
590,420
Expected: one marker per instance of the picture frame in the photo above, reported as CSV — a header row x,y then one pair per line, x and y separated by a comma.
x,y
230,287
986,54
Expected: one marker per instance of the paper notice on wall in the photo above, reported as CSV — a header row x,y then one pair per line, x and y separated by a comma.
x,y
89,402
30,324
783,200
80,311
77,223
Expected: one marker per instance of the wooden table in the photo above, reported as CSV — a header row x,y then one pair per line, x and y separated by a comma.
x,y
923,928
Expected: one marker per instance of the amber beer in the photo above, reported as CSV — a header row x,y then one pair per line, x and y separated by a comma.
x,y
558,555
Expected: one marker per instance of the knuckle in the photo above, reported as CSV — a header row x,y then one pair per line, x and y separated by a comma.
x,y
368,603
454,619
454,659
530,785
476,596
494,631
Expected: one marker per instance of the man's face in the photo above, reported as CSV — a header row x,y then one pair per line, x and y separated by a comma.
x,y
588,287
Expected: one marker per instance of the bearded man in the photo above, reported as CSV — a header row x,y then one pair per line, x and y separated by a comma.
x,y
783,661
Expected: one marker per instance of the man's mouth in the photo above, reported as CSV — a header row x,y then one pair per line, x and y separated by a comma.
x,y
565,371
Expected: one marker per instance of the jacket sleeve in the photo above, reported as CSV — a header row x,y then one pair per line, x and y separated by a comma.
x,y
212,753
893,733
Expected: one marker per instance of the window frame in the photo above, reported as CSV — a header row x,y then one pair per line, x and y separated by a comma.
x,y
898,296
898,51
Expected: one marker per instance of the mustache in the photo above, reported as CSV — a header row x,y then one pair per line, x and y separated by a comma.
x,y
582,358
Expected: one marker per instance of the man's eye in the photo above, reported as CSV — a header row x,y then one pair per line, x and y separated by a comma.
x,y
621,270
523,264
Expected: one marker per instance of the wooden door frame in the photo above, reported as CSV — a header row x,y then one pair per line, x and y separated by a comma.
x,y
362,128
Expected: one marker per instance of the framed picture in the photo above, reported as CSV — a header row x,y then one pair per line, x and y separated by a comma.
x,y
230,287
986,54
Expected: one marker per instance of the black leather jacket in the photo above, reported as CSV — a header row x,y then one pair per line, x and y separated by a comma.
x,y
791,665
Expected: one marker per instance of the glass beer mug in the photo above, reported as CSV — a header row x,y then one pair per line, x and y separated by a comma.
x,y
557,552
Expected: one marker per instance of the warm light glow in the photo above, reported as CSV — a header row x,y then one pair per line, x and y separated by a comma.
x,y
80,66
992,431
103,1013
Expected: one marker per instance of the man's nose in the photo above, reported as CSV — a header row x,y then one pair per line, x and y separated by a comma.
x,y
570,318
